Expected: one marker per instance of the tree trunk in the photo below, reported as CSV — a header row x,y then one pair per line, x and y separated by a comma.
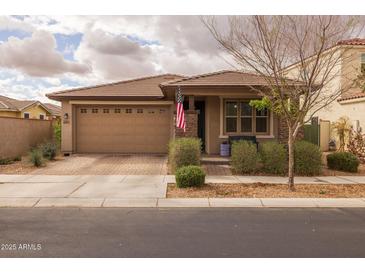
x,y
291,160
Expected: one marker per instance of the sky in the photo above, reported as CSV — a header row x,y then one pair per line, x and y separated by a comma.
x,y
42,54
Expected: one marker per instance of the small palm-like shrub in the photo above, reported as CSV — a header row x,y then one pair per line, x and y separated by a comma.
x,y
345,161
244,156
274,157
307,158
36,158
189,176
184,152
49,150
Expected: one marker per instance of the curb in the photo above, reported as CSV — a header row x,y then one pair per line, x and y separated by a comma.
x,y
182,202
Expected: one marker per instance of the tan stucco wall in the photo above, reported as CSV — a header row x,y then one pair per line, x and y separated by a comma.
x,y
9,114
17,136
67,132
351,68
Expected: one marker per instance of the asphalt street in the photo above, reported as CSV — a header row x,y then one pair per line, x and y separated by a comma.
x,y
189,232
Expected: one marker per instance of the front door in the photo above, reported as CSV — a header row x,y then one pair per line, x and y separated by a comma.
x,y
200,107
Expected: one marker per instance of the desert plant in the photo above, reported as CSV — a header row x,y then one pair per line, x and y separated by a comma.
x,y
244,157
6,161
307,158
357,144
274,157
342,127
57,132
49,150
36,158
189,176
17,158
345,161
184,152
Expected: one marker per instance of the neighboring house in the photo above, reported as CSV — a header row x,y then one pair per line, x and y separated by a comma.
x,y
352,102
27,109
55,111
137,116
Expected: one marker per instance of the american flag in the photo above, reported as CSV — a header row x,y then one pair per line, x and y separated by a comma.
x,y
180,116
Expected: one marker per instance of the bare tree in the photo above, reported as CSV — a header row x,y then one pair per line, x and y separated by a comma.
x,y
267,45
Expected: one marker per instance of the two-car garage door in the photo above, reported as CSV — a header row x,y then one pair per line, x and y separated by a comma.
x,y
122,129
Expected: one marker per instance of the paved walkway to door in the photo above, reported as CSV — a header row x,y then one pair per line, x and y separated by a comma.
x,y
106,164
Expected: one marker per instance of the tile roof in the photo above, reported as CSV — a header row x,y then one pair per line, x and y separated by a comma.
x,y
11,104
221,78
353,42
352,96
54,109
139,87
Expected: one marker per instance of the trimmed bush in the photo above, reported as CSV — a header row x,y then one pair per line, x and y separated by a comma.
x,y
189,176
49,150
274,157
35,156
345,161
307,158
244,157
184,152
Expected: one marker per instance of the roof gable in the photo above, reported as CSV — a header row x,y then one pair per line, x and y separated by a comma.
x,y
36,104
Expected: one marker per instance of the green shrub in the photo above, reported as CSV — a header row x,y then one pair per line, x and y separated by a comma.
x,y
244,156
184,152
49,150
35,156
57,131
307,158
274,157
17,158
345,161
189,176
6,161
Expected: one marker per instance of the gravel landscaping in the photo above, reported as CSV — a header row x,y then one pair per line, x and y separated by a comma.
x,y
260,190
19,167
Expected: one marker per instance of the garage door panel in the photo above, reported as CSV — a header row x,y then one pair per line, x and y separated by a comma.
x,y
145,130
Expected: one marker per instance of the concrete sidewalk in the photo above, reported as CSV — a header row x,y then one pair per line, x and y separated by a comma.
x,y
171,179
149,191
183,202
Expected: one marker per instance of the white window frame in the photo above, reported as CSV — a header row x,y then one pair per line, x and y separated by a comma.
x,y
44,116
26,113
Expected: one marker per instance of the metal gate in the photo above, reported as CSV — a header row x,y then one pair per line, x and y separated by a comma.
x,y
312,133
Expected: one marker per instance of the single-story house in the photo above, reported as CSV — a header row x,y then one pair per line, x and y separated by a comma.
x,y
138,115
27,109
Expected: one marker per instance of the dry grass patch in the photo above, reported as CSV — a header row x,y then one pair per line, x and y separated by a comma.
x,y
260,190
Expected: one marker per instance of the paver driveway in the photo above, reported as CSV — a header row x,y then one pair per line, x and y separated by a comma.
x,y
106,164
